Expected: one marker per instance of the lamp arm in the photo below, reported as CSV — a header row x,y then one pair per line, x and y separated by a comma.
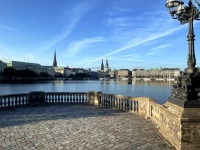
x,y
174,17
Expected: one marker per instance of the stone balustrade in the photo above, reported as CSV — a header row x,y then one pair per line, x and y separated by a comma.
x,y
13,100
174,122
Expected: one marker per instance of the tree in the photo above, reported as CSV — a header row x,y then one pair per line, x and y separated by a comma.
x,y
43,74
10,72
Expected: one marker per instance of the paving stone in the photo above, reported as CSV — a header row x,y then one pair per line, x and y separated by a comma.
x,y
77,127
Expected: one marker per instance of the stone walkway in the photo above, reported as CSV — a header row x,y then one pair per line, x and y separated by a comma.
x,y
77,127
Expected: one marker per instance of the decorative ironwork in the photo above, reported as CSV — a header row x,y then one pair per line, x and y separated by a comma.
x,y
187,85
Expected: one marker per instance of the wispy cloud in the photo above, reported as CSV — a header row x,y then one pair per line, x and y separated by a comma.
x,y
153,53
161,47
150,38
8,28
76,46
77,13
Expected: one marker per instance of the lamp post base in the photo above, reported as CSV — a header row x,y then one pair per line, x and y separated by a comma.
x,y
186,90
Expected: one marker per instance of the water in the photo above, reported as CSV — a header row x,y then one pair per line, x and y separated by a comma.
x,y
158,90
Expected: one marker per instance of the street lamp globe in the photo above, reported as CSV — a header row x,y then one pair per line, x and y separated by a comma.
x,y
171,6
180,8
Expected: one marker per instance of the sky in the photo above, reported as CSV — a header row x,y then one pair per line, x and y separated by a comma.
x,y
129,33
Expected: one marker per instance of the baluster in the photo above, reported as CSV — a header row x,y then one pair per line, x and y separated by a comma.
x,y
114,102
107,102
59,99
25,103
117,99
64,99
125,105
77,100
132,106
53,99
23,100
128,105
50,98
85,98
111,102
135,106
82,99
74,98
70,98
1,102
119,105
47,99
67,98
122,104
12,101
56,98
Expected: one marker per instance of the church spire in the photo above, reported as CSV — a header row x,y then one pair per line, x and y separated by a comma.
x,y
54,60
106,66
102,66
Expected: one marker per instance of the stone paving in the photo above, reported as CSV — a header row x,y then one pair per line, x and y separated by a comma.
x,y
56,127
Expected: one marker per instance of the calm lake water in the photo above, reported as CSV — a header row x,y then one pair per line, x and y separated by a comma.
x,y
158,90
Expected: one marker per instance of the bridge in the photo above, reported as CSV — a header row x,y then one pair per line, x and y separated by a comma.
x,y
92,120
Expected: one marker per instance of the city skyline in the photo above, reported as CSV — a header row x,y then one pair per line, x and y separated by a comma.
x,y
129,34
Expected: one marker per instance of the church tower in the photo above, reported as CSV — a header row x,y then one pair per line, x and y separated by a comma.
x,y
106,66
102,66
54,60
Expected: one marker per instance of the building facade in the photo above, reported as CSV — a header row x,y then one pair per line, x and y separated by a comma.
x,y
140,73
169,72
27,65
2,67
124,73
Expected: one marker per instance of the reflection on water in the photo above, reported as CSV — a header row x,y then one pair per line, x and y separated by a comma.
x,y
158,90
139,82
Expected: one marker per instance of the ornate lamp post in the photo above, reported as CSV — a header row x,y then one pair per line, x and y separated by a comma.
x,y
187,86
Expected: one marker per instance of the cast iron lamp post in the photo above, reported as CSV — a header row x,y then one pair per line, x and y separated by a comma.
x,y
187,85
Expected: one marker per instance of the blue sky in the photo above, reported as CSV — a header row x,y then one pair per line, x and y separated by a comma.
x,y
129,33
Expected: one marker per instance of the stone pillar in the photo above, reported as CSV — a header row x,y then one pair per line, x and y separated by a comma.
x,y
190,130
93,98
181,125
36,97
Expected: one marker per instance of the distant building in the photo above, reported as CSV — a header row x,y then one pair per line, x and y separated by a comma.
x,y
27,65
106,66
50,70
169,72
154,73
113,73
93,74
140,73
2,66
104,72
124,73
